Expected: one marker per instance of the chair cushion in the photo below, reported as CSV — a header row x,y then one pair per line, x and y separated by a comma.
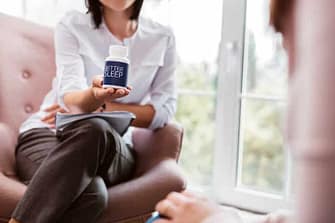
x,y
26,68
7,143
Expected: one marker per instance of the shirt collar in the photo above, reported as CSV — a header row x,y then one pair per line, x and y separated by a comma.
x,y
126,41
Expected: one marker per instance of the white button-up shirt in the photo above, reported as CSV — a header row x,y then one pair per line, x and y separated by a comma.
x,y
81,50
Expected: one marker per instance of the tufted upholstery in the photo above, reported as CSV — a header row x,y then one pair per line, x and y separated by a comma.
x,y
26,70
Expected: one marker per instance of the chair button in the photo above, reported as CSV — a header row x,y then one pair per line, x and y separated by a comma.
x,y
28,109
26,75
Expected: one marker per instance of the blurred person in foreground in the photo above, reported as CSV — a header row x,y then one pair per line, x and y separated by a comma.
x,y
308,36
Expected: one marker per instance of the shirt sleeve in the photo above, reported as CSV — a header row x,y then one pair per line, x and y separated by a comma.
x,y
69,64
163,89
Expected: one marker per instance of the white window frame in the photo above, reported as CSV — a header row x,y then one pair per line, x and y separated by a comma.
x,y
229,97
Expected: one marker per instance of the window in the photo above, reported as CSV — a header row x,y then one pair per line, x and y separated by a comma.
x,y
14,7
198,39
251,168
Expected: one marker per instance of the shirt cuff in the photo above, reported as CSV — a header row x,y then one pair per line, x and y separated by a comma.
x,y
161,116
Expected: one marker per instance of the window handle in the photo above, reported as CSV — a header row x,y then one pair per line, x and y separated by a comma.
x,y
230,56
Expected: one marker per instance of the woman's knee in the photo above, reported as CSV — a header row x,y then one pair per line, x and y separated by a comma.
x,y
90,204
95,127
97,130
97,194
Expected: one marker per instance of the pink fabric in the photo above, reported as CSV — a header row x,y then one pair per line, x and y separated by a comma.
x,y
27,66
26,70
312,110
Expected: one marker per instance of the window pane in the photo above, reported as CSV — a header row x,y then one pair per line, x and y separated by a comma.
x,y
262,159
261,142
196,114
157,10
12,7
265,62
196,77
48,12
198,38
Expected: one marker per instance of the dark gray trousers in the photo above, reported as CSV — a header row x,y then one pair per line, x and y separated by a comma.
x,y
68,173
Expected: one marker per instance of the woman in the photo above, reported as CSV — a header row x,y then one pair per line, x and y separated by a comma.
x,y
67,172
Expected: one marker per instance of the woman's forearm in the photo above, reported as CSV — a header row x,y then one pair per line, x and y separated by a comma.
x,y
82,101
144,113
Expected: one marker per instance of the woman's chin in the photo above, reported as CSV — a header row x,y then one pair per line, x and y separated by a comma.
x,y
117,6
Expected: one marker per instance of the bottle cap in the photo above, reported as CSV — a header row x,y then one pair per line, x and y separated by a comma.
x,y
118,51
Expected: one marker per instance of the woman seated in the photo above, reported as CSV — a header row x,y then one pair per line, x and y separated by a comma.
x,y
68,172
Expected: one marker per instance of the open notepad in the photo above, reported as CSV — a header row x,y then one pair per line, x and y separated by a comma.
x,y
119,120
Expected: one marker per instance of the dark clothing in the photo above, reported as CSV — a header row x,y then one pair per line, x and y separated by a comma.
x,y
68,172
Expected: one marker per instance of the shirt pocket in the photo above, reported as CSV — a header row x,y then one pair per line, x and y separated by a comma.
x,y
144,69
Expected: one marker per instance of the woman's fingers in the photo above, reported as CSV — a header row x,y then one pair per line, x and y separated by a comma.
x,y
62,110
97,81
176,198
51,120
122,91
52,108
110,90
192,195
109,93
163,221
166,208
117,92
49,116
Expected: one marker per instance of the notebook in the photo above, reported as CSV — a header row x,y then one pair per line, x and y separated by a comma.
x,y
119,120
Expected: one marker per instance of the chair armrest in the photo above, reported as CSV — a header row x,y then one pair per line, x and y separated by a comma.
x,y
7,150
11,190
140,195
154,146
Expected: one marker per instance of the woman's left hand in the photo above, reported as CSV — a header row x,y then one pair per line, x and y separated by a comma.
x,y
52,110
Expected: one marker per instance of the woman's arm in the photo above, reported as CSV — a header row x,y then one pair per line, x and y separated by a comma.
x,y
92,98
163,93
81,101
74,93
144,113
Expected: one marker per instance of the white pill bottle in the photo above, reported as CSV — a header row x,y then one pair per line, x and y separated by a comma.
x,y
116,67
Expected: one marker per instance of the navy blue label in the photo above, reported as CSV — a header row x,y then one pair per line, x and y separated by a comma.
x,y
116,73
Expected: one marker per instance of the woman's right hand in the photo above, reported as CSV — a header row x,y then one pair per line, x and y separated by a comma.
x,y
107,94
51,111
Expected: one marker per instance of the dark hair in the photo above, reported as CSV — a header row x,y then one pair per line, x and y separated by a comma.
x,y
279,9
95,8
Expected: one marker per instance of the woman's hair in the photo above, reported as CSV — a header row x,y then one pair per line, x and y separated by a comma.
x,y
96,9
279,9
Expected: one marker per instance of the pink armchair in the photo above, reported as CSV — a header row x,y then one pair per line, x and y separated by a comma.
x,y
26,70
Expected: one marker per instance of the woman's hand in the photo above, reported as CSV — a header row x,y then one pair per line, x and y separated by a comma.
x,y
281,216
50,118
107,94
187,207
